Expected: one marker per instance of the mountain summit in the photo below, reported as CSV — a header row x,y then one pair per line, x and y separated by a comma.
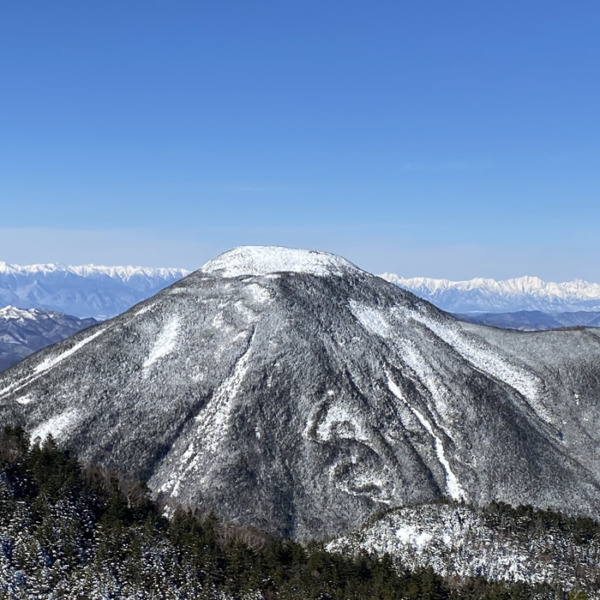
x,y
289,390
267,260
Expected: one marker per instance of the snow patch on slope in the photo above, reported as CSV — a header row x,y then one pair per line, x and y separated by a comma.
x,y
58,426
346,425
484,358
52,361
411,535
371,319
47,364
265,260
26,399
213,422
453,487
165,343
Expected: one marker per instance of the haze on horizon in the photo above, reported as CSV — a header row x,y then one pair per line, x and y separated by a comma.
x,y
442,140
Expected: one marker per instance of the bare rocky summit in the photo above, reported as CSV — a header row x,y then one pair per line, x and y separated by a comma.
x,y
290,390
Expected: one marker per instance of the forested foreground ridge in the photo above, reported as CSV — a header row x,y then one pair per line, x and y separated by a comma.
x,y
69,531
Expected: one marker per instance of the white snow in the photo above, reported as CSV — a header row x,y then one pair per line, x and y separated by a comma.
x,y
266,260
58,426
165,343
143,310
26,399
117,272
13,313
339,415
453,486
48,363
486,359
258,293
371,319
83,291
490,295
409,534
52,361
458,541
212,421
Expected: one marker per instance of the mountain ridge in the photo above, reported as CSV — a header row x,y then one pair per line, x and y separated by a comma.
x,y
306,400
82,291
23,332
510,295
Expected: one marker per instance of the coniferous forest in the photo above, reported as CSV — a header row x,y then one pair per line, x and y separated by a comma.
x,y
82,532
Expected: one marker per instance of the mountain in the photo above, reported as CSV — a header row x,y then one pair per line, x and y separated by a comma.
x,y
534,320
82,291
23,332
291,391
511,295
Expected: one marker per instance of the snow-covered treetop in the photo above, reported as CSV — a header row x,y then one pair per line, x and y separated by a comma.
x,y
264,260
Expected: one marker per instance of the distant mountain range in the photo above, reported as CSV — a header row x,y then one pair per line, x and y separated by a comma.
x,y
511,295
45,294
23,332
82,291
103,292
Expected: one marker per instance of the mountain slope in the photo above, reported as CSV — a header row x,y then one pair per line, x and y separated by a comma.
x,y
534,320
23,332
511,295
83,291
497,543
292,391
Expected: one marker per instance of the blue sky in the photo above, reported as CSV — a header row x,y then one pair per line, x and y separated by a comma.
x,y
448,139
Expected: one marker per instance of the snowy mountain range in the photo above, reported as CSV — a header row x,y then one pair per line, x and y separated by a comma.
x,y
103,292
82,291
23,332
291,391
511,295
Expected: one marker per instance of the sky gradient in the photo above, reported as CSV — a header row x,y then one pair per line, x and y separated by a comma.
x,y
443,139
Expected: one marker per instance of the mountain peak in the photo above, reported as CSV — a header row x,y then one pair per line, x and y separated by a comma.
x,y
12,312
265,260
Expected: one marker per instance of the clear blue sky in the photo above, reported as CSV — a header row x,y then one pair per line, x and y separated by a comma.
x,y
437,138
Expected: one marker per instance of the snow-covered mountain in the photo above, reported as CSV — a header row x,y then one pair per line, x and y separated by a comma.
x,y
23,332
292,391
511,295
82,291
